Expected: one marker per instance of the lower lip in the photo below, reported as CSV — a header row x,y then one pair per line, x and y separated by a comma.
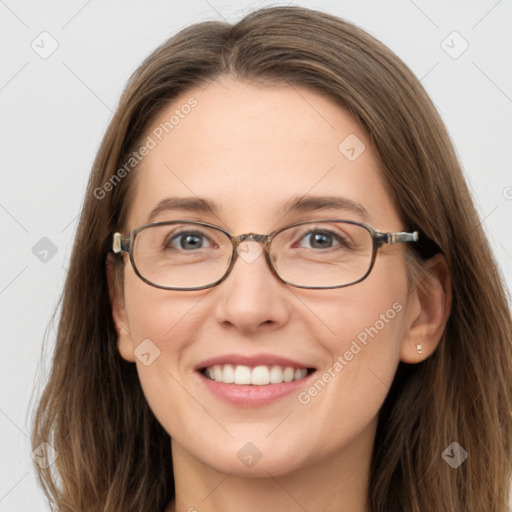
x,y
251,395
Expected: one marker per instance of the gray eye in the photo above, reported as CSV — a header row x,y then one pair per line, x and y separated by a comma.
x,y
186,240
321,239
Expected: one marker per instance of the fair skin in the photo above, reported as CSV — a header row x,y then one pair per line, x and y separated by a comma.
x,y
251,148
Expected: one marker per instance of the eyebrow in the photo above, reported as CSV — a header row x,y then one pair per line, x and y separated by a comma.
x,y
303,204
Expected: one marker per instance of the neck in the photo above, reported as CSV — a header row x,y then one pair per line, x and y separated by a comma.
x,y
332,483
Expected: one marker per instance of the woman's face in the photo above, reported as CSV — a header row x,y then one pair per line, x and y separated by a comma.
x,y
250,149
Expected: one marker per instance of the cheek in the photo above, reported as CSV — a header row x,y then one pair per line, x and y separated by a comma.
x,y
162,324
364,352
369,314
359,336
158,315
370,323
366,325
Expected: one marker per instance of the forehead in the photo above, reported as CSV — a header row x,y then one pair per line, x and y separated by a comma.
x,y
250,149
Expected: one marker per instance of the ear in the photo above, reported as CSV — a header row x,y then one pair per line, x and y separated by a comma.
x,y
124,339
429,308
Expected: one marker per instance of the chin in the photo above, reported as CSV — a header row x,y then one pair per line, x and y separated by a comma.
x,y
258,459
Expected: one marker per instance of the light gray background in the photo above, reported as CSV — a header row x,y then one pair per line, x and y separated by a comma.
x,y
54,112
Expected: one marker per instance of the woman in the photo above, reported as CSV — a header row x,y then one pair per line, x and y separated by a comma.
x,y
356,359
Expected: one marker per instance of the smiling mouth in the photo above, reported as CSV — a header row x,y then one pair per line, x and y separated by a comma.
x,y
261,375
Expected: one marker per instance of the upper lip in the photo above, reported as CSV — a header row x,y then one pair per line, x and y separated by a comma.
x,y
250,360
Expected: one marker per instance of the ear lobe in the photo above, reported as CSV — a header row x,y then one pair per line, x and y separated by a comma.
x,y
433,297
124,340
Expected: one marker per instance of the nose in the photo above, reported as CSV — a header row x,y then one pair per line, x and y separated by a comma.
x,y
251,295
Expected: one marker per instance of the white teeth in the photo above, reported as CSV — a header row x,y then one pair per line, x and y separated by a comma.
x,y
260,376
242,375
276,375
217,372
288,374
300,373
257,376
228,375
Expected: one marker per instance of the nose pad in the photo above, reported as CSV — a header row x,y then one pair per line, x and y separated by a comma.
x,y
249,252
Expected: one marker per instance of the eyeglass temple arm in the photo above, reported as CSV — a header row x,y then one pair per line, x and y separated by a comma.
x,y
397,238
120,243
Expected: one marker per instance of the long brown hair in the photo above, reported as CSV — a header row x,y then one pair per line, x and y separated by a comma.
x,y
113,455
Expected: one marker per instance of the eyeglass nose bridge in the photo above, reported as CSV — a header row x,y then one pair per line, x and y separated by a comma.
x,y
263,240
256,237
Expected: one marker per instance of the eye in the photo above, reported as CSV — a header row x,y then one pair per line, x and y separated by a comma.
x,y
186,240
322,239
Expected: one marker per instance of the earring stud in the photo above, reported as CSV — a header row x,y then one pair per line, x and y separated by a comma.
x,y
418,348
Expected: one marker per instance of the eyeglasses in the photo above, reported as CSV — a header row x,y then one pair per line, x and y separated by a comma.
x,y
191,255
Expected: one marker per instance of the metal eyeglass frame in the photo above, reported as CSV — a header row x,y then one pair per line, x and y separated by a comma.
x,y
125,243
